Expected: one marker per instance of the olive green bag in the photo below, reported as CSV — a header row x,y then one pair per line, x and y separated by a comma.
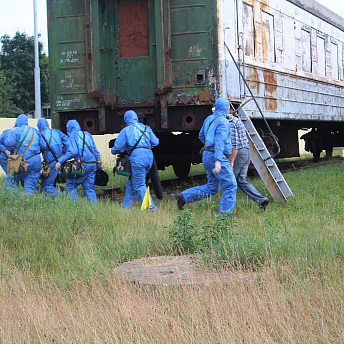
x,y
15,162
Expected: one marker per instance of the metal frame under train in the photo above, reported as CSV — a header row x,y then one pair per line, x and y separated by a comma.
x,y
170,59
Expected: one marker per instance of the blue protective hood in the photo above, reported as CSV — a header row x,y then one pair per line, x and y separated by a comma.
x,y
221,106
130,117
42,124
73,126
21,120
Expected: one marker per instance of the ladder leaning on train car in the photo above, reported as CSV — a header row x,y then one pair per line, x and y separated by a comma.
x,y
260,156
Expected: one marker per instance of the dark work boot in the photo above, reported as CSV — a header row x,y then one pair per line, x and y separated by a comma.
x,y
180,201
264,204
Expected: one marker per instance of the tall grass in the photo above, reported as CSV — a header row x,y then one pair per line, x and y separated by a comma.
x,y
283,268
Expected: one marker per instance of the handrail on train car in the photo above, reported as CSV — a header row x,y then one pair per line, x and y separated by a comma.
x,y
255,100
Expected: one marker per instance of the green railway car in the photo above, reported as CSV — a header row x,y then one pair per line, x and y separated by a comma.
x,y
170,59
156,57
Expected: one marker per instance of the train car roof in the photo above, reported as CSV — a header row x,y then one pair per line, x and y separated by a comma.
x,y
321,12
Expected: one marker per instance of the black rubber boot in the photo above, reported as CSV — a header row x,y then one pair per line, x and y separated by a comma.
x,y
180,201
264,204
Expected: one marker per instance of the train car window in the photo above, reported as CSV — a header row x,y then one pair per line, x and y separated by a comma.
x,y
334,61
289,43
268,37
133,28
321,56
306,51
248,24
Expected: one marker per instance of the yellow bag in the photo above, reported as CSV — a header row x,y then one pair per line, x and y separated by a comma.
x,y
16,164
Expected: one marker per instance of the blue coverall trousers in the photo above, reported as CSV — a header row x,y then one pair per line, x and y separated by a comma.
x,y
224,178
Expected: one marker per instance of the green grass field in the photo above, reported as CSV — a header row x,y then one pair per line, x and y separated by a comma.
x,y
57,258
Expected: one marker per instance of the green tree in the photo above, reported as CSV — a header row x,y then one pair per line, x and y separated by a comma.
x,y
17,62
7,108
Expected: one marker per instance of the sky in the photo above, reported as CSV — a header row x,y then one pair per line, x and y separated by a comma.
x,y
17,15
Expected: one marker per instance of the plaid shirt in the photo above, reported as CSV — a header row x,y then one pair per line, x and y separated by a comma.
x,y
238,134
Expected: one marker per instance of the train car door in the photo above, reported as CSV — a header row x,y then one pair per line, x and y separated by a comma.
x,y
135,55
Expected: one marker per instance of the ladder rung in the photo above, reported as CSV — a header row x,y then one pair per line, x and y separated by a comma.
x,y
278,180
251,132
243,118
260,148
269,164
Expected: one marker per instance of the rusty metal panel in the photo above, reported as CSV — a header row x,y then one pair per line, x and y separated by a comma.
x,y
133,28
136,74
67,56
193,38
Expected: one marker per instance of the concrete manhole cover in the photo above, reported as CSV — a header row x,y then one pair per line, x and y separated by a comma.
x,y
169,270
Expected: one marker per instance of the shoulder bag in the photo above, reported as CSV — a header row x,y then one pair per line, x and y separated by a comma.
x,y
123,165
101,178
45,169
15,162
73,168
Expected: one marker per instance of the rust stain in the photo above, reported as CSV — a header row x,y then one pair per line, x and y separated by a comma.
x,y
264,5
204,95
253,78
270,103
270,82
133,28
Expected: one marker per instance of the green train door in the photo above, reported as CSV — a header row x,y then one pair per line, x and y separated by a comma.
x,y
135,52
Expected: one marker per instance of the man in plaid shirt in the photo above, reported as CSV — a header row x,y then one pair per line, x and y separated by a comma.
x,y
240,159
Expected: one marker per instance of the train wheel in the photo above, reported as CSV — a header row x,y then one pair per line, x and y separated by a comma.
x,y
182,169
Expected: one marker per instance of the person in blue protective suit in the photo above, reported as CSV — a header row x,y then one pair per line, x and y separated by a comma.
x,y
18,139
89,155
4,151
141,157
55,145
216,136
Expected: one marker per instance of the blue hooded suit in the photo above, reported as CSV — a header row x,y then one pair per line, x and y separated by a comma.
x,y
89,158
141,157
3,148
216,136
57,142
22,133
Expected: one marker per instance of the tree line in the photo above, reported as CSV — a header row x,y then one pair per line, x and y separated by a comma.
x,y
17,85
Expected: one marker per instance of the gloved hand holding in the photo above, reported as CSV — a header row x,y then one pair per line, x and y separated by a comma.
x,y
57,166
217,168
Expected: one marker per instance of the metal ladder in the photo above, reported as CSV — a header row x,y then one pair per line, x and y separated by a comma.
x,y
264,163
260,156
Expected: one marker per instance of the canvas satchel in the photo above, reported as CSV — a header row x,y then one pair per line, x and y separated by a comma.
x,y
15,162
123,165
46,169
73,168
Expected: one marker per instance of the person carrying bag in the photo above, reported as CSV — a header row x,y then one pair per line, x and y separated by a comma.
x,y
123,165
77,140
138,140
55,144
27,143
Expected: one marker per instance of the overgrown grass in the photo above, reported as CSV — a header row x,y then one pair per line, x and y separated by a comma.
x,y
286,265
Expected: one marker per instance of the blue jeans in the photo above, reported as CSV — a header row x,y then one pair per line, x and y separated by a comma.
x,y
241,163
225,179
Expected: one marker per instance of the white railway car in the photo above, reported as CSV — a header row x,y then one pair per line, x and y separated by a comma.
x,y
291,54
